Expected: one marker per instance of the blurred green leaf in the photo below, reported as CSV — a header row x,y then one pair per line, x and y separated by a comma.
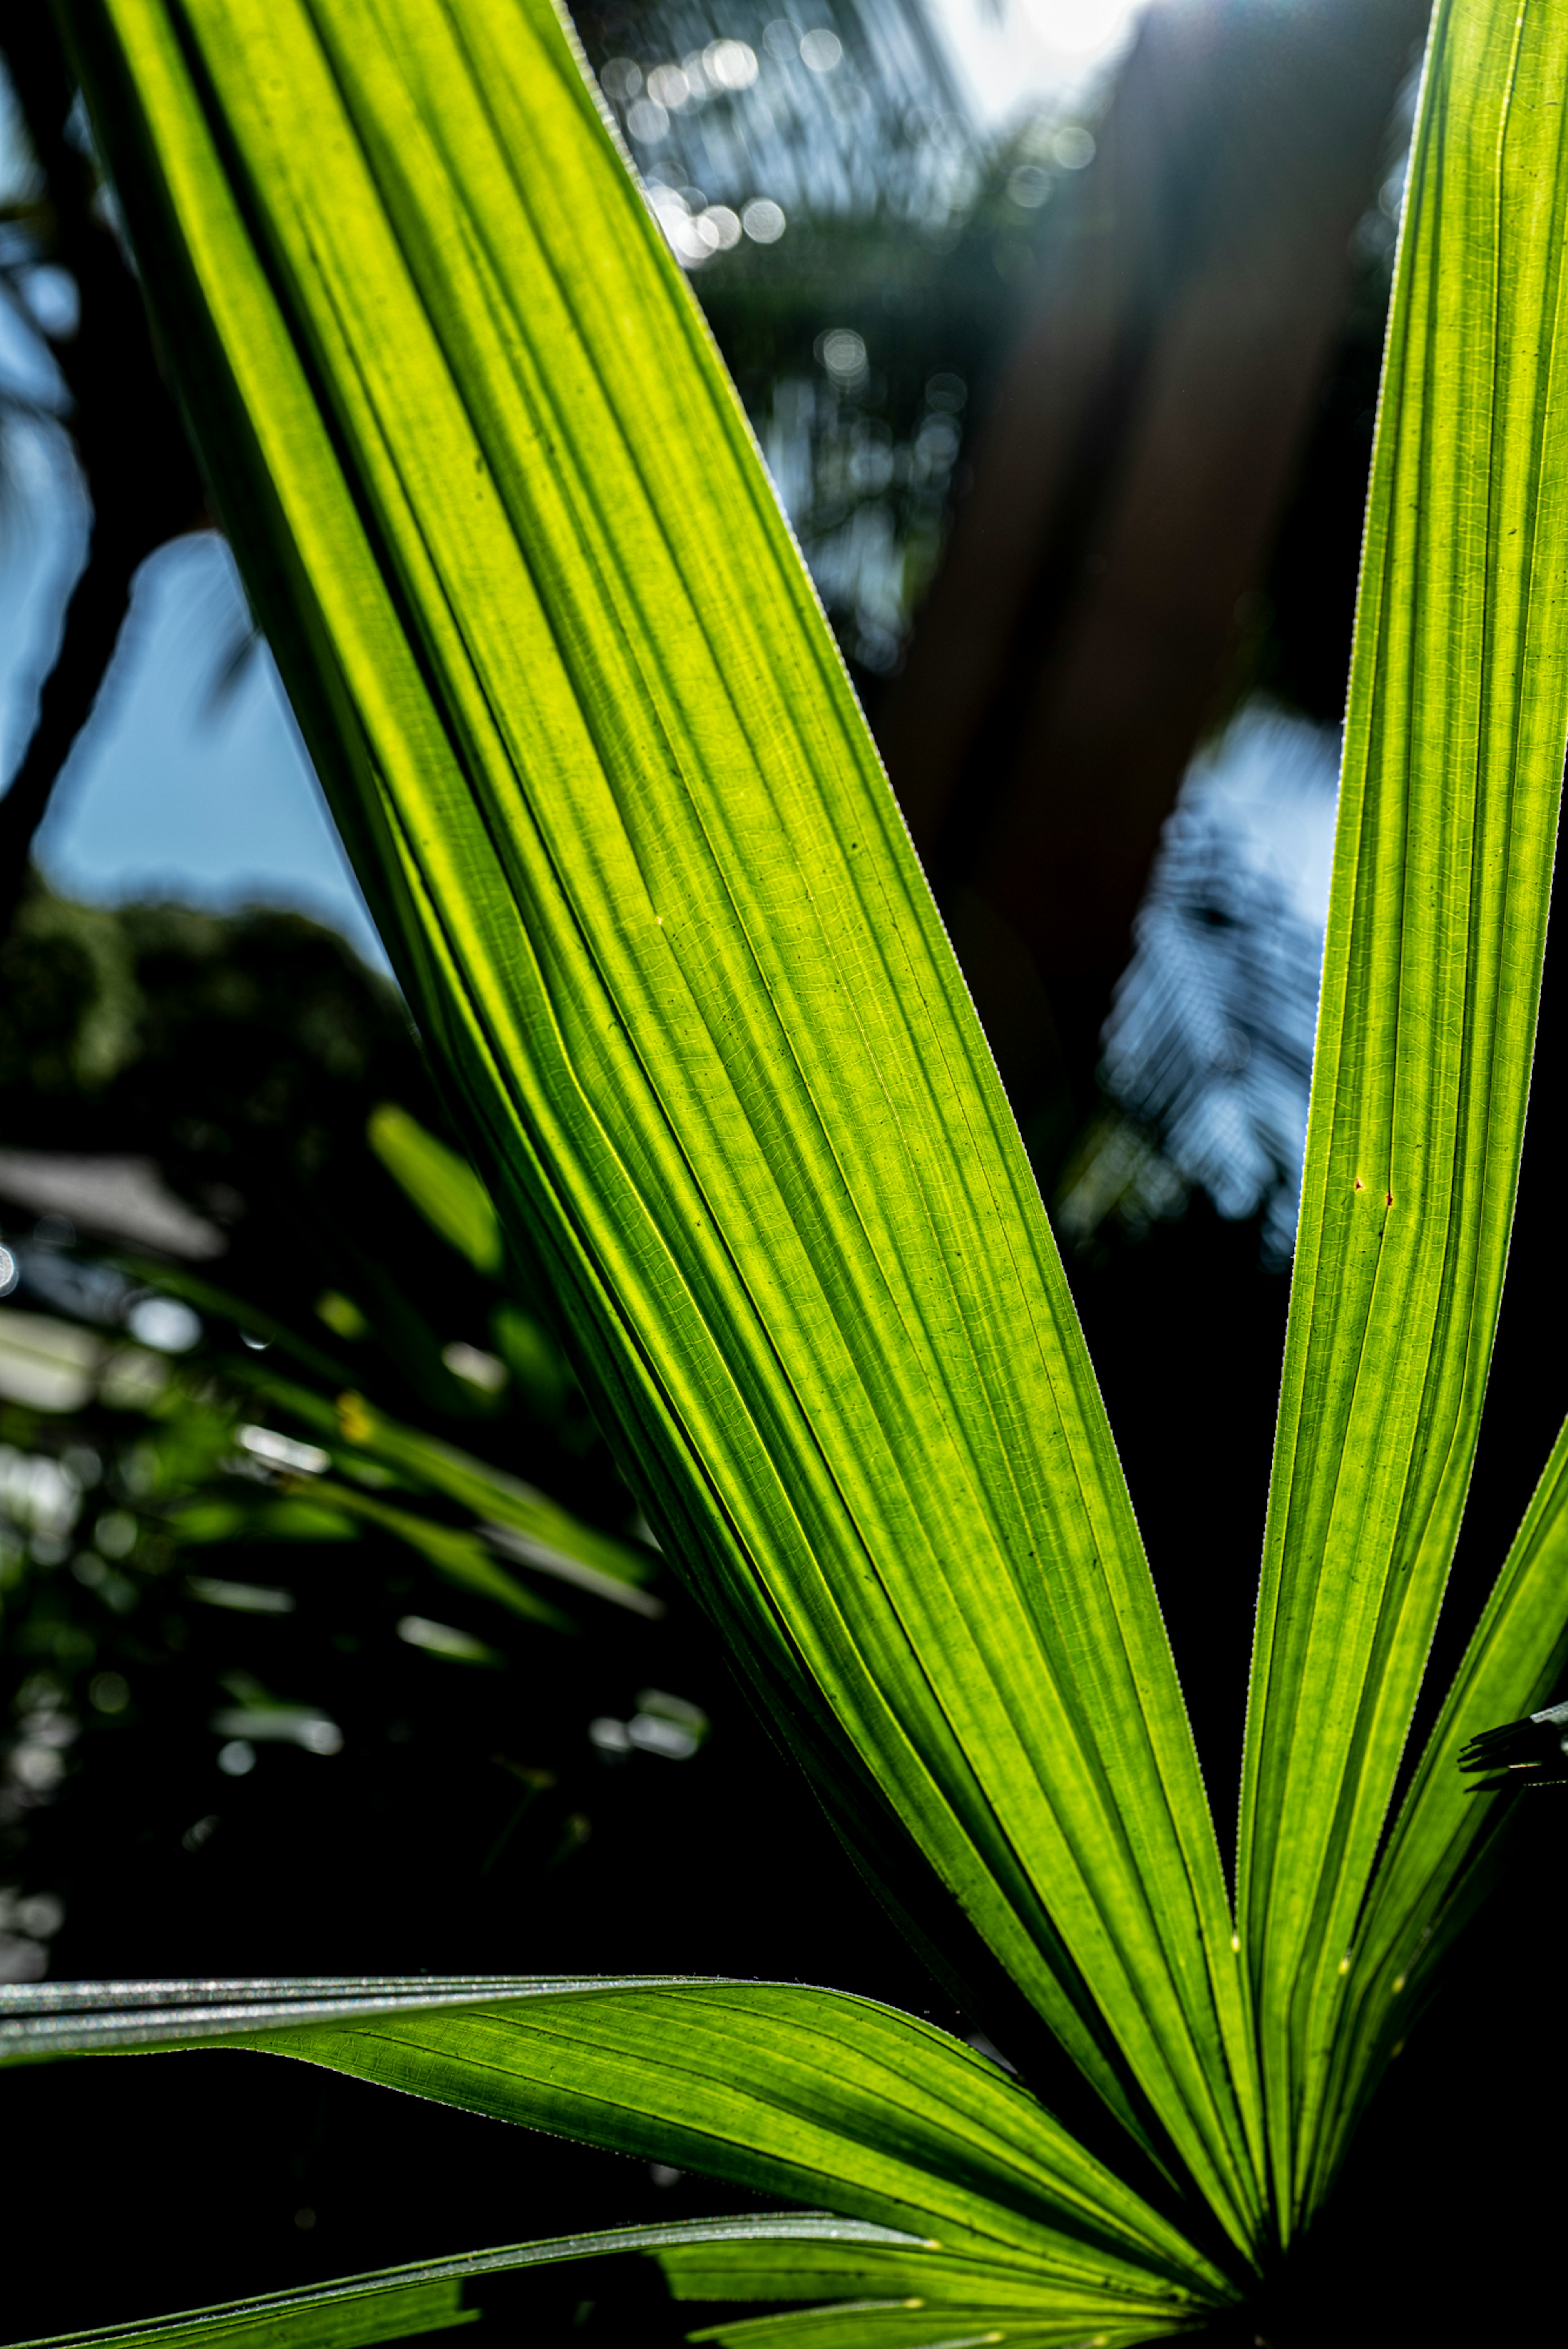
x,y
446,1639
264,1722
406,1331
545,1534
281,1518
242,1598
341,1314
533,1359
47,1364
222,1306
443,1186
457,1556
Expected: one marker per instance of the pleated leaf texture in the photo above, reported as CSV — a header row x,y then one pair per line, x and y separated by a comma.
x,y
949,2181
600,770
564,677
1448,818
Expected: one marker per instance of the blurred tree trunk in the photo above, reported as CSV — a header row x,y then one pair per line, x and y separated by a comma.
x,y
1090,621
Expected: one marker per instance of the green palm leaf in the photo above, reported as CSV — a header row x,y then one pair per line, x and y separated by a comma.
x,y
354,2311
1429,1878
626,835
606,788
813,2095
1453,760
856,2268
870,2324
885,2295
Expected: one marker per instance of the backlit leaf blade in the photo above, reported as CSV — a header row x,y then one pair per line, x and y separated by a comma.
x,y
813,2095
897,2298
324,2320
1453,760
41,2020
599,768
355,2312
1425,1881
852,2268
871,2326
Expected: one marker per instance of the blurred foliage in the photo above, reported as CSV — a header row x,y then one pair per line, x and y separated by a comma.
x,y
868,310
319,1530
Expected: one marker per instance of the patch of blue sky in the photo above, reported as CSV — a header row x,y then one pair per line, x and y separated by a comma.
x,y
190,782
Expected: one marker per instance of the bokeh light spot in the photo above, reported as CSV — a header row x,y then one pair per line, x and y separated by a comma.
x,y
763,221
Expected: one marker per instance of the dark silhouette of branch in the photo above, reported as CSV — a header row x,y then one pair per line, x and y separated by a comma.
x,y
140,475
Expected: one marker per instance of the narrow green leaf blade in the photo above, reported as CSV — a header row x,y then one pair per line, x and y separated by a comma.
x,y
330,2318
1453,761
1429,1875
224,1306
354,2311
870,2324
812,2094
903,2295
268,1518
458,1555
844,2271
596,760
